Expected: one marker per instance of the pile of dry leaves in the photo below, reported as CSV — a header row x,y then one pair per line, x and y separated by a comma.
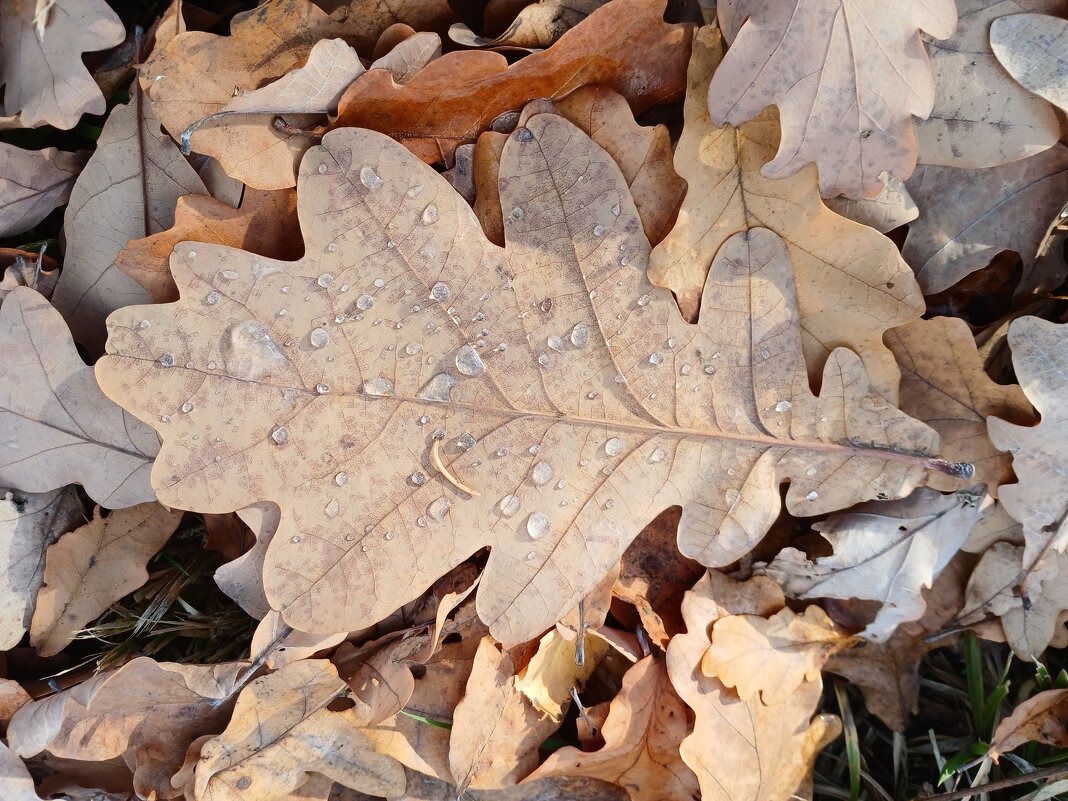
x,y
570,386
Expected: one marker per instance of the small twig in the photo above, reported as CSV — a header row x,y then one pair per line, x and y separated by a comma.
x,y
1000,784
580,635
37,266
582,712
255,665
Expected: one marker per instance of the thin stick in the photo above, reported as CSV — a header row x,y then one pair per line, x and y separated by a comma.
x,y
1000,784
580,635
255,665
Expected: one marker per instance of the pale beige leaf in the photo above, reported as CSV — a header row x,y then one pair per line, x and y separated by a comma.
x,y
1034,49
645,725
29,523
549,677
15,779
969,216
890,209
127,190
32,183
242,579
851,282
886,551
282,731
847,77
44,79
146,711
93,567
538,24
1042,718
59,427
409,56
285,645
24,268
981,117
770,658
12,698
994,525
303,404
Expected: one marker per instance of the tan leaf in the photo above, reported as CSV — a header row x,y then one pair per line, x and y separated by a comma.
x,y
29,523
12,698
886,551
24,268
285,645
266,224
981,117
1032,47
645,725
146,711
333,390
538,25
1042,718
457,97
969,216
549,677
847,78
890,209
61,427
742,749
994,525
242,579
93,567
282,730
852,284
1039,499
44,79
127,190
15,778
404,60
32,183
943,383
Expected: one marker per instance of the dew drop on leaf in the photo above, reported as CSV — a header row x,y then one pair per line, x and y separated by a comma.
x,y
538,525
508,505
319,337
466,441
280,435
614,446
658,455
417,479
438,509
580,335
332,508
541,474
468,362
437,389
430,214
370,178
341,478
325,280
364,302
440,292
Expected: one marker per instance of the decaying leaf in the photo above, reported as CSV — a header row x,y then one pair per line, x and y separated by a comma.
x,y
645,725
1032,47
538,25
851,282
847,77
59,427
32,183
127,190
586,375
15,778
552,672
43,78
1042,718
24,268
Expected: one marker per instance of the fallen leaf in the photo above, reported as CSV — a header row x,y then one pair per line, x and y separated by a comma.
x,y
969,216
1031,47
852,284
847,78
886,551
367,20
12,698
29,523
645,725
60,426
93,567
242,579
32,183
457,97
284,645
943,383
981,117
44,80
552,672
127,190
538,25
266,224
25,268
994,525
409,56
15,778
890,209
1042,718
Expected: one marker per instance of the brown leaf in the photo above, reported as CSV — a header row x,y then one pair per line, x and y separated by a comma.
x,y
847,78
1042,718
969,216
44,79
646,723
457,97
93,567
266,224
1031,47
852,284
24,268
32,183
127,190
552,672
538,25
12,698
242,579
61,427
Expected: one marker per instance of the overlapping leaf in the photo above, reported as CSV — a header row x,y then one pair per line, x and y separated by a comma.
x,y
1032,47
32,183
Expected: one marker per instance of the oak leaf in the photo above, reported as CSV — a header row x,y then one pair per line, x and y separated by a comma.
x,y
569,395
537,25
847,77
32,183
60,428
1042,718
852,284
15,778
242,579
890,209
1032,47
25,268
553,671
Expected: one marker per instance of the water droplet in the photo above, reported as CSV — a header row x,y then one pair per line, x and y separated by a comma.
x,y
389,535
440,292
187,407
591,395
322,168
644,300
192,254
280,434
609,504
541,474
810,472
341,478
546,305
607,469
229,275
332,508
379,283
469,362
438,509
538,525
212,298
812,496
325,280
424,420
656,358
580,335
350,537
615,210
370,178
467,441
658,455
709,369
166,360
685,369
296,538
144,324
614,446
319,337
417,479
516,213
332,247
377,387
598,230
543,359
364,302
783,406
283,312
500,452
421,521
430,214
531,556
672,342
765,353
523,135
438,388
322,389
508,505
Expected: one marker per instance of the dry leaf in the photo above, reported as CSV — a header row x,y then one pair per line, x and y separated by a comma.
x,y
852,284
981,117
890,209
32,183
969,216
242,579
943,383
847,78
12,698
284,645
457,97
519,419
15,778
409,56
266,224
538,25
771,658
127,191
886,551
29,523
24,268
1042,718
59,427
93,567
146,711
645,725
552,672
44,80
994,525
282,730
1032,47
